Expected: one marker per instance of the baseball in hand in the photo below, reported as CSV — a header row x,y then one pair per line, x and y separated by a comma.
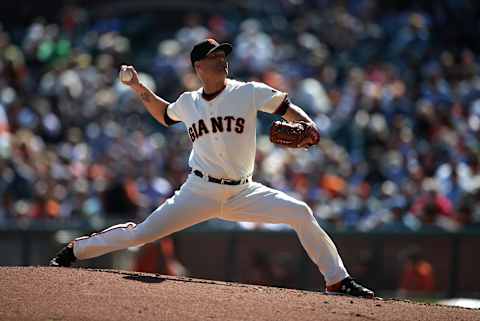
x,y
126,74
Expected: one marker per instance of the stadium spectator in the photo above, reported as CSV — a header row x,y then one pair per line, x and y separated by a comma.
x,y
398,105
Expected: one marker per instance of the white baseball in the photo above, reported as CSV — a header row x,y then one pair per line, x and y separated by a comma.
x,y
126,74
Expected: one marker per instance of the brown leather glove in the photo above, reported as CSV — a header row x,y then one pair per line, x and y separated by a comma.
x,y
294,134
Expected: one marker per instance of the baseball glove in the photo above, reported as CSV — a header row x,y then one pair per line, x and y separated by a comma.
x,y
294,134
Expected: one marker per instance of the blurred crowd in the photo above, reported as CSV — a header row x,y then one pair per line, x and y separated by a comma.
x,y
397,103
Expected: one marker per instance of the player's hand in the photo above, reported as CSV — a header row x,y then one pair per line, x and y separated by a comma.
x,y
128,76
296,134
312,136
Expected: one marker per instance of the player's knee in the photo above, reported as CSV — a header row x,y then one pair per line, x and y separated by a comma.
x,y
307,212
303,214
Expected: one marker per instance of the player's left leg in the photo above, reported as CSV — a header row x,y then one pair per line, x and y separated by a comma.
x,y
258,203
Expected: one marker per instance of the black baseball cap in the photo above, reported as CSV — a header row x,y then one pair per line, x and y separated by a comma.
x,y
206,47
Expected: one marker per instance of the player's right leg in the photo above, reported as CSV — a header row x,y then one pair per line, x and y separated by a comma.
x,y
192,204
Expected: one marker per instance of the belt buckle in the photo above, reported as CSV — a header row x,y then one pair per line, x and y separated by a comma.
x,y
222,181
245,180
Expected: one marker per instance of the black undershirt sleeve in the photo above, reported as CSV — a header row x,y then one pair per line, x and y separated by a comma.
x,y
168,120
282,109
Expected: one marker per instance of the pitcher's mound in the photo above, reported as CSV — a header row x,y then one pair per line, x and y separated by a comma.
x,y
42,293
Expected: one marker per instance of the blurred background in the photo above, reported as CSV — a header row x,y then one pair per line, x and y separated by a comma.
x,y
394,87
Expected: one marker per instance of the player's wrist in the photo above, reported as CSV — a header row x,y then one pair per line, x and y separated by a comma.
x,y
138,87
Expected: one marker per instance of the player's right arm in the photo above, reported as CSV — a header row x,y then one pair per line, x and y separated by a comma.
x,y
155,105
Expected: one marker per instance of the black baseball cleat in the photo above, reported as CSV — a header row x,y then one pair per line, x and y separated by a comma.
x,y
64,258
349,286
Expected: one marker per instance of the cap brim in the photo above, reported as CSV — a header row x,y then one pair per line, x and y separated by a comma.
x,y
225,47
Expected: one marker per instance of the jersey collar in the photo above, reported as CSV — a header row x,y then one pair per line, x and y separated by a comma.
x,y
210,97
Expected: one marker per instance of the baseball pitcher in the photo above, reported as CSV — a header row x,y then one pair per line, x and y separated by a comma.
x,y
221,122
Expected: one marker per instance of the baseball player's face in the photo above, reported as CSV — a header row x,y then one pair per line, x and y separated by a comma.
x,y
215,64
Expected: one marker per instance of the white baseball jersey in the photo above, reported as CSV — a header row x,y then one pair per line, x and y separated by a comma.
x,y
223,134
223,130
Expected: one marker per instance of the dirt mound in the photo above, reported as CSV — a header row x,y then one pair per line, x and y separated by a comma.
x,y
54,294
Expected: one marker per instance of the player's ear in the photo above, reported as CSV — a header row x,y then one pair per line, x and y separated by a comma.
x,y
197,66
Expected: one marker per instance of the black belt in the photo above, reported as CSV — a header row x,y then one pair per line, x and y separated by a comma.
x,y
222,180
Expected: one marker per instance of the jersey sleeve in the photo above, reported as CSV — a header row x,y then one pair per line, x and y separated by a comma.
x,y
175,110
266,98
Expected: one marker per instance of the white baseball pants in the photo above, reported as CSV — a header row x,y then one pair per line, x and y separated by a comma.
x,y
199,200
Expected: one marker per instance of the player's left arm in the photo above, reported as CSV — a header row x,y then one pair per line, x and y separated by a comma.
x,y
273,101
295,113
